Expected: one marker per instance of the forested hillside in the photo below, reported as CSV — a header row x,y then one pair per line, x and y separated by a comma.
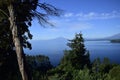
x,y
75,65
16,24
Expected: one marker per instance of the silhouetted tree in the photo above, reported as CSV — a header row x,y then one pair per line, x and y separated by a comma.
x,y
80,56
18,15
8,65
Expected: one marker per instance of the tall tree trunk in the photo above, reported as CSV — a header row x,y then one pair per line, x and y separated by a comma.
x,y
17,42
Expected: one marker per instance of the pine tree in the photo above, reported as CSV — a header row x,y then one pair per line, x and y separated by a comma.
x,y
19,14
75,59
81,55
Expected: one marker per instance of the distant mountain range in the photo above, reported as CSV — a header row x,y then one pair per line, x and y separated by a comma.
x,y
60,43
54,47
116,36
57,41
48,46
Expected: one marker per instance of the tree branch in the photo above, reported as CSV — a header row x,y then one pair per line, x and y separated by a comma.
x,y
4,13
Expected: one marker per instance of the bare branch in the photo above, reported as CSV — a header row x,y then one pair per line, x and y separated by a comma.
x,y
42,18
49,9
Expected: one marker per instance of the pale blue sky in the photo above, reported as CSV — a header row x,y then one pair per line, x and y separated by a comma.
x,y
94,18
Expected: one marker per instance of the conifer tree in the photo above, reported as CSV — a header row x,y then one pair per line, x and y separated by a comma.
x,y
75,59
18,14
81,56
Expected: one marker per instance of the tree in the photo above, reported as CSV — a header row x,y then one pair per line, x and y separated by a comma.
x,y
115,72
80,56
75,59
39,65
82,75
8,68
18,14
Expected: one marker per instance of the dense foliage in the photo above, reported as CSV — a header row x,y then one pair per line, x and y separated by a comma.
x,y
8,65
16,16
37,67
74,59
24,11
76,65
70,68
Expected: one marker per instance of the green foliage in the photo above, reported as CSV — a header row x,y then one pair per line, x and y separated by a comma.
x,y
101,69
24,12
74,59
115,72
78,56
108,77
82,75
39,65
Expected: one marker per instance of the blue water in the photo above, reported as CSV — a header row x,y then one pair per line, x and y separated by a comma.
x,y
97,49
103,49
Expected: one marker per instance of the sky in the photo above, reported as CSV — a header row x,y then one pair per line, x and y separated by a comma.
x,y
94,18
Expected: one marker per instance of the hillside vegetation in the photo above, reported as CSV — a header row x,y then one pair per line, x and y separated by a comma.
x,y
75,65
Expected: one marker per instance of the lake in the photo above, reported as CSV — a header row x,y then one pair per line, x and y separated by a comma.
x,y
103,49
97,49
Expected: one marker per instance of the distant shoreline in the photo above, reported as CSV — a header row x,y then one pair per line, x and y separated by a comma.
x,y
115,41
97,40
111,40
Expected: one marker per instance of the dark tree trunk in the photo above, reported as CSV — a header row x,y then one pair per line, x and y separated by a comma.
x,y
17,42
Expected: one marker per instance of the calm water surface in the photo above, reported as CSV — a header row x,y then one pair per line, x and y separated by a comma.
x,y
97,49
104,49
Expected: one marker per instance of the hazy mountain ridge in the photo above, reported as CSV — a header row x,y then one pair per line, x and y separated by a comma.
x,y
60,44
50,46
63,41
53,48
116,36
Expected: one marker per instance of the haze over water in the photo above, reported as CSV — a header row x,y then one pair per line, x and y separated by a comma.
x,y
55,51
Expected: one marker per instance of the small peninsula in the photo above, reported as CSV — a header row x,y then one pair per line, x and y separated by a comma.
x,y
115,41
